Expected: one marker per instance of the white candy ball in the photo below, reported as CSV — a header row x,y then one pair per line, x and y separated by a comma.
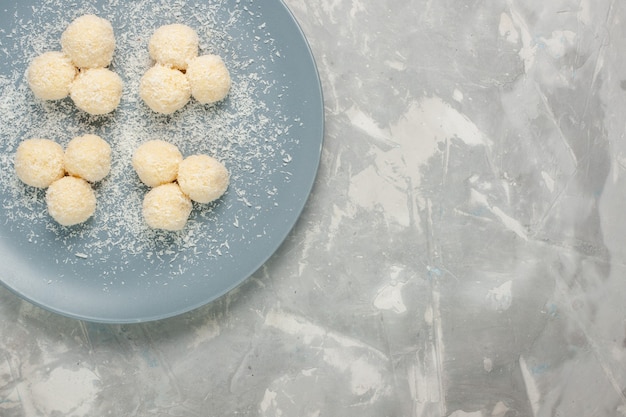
x,y
174,45
97,91
164,89
88,157
166,207
50,75
209,78
203,178
156,162
39,162
89,42
70,201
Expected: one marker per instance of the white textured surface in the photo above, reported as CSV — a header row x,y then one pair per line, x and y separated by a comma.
x,y
462,253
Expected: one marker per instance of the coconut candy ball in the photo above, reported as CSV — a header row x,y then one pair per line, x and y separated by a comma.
x,y
97,91
156,162
166,207
209,78
39,162
173,45
164,89
203,178
50,75
89,42
70,201
88,157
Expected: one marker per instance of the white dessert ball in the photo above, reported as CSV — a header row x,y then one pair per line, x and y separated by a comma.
x,y
174,45
164,89
156,162
166,207
97,91
203,178
39,162
50,75
88,157
89,42
70,201
209,78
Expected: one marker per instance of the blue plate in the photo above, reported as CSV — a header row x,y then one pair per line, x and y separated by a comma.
x,y
268,132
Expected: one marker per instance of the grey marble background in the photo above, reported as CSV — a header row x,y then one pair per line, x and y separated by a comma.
x,y
461,254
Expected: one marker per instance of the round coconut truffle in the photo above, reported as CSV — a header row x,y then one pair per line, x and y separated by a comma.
x,y
203,178
88,157
39,162
89,42
209,78
70,200
50,75
174,45
164,89
156,162
97,91
166,207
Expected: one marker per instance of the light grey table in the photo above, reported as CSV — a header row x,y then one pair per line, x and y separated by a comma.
x,y
462,253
